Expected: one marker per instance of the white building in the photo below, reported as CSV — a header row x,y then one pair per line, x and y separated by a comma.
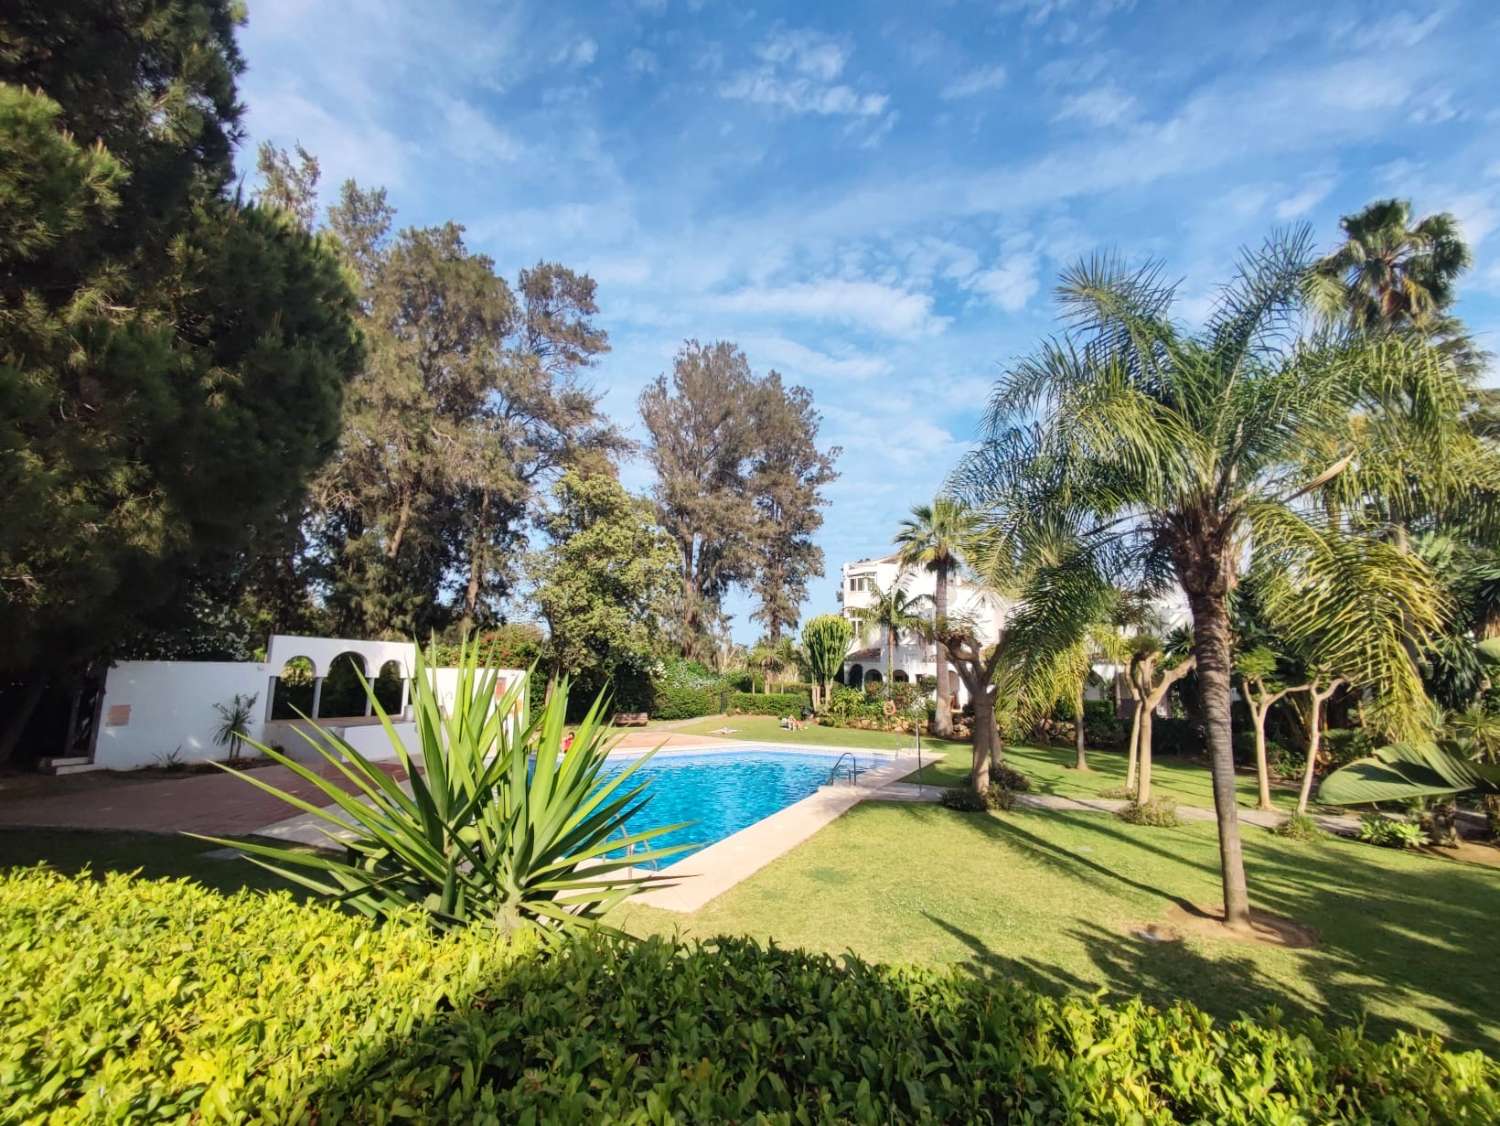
x,y
866,661
912,657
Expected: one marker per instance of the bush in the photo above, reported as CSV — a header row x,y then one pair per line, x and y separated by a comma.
x,y
1342,745
1173,736
685,690
1101,726
965,800
1390,832
770,703
162,1001
1159,813
1300,827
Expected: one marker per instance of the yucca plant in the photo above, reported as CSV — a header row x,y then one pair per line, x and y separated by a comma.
x,y
495,823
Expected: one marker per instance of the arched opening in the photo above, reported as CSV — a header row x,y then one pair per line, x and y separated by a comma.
x,y
343,697
872,676
856,676
390,688
293,689
900,677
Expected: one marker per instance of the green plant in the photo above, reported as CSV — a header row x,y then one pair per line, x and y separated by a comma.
x,y
825,639
111,1014
1159,813
1406,771
685,690
1010,778
1300,827
171,762
770,703
965,800
486,833
1390,832
234,717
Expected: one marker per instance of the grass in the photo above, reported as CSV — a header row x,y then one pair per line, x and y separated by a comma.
x,y
1055,899
1049,768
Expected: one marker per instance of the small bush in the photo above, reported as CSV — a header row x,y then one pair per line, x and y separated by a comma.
x,y
770,703
1101,726
1342,745
965,800
145,1001
1159,813
1118,793
1390,832
1173,736
1010,778
685,690
1300,827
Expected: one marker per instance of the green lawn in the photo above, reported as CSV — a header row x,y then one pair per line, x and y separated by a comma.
x,y
1052,898
1049,768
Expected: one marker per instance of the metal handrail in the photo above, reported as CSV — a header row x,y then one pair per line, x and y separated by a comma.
x,y
853,768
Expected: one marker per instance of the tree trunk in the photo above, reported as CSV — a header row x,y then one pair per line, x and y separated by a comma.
x,y
986,739
1314,739
1080,739
403,517
1211,647
1132,752
1143,755
20,716
890,654
942,720
1259,709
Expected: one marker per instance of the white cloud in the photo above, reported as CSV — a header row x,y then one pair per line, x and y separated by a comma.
x,y
1400,30
797,73
975,82
1301,202
810,53
577,54
797,361
1010,283
1477,214
641,61
801,95
1099,107
473,137
867,305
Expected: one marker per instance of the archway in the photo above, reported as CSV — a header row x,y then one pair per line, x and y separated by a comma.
x,y
343,697
856,676
294,689
872,676
900,677
390,688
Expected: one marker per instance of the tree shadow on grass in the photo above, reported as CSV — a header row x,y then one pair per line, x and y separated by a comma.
x,y
1396,933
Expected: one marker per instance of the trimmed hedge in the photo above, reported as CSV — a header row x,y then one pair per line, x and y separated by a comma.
x,y
162,1001
770,703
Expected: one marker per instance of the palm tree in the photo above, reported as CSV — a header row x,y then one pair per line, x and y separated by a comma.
x,y
896,612
935,537
1389,273
1178,454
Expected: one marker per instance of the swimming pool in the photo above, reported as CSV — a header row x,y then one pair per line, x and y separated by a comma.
x,y
722,792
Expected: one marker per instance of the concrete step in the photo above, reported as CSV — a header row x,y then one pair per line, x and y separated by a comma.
x,y
80,764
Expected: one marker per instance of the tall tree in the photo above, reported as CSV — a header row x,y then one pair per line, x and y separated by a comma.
x,y
287,183
826,640
469,403
171,363
738,486
1174,452
787,476
604,581
934,537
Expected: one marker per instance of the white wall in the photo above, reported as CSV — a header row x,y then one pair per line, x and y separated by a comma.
x,y
151,708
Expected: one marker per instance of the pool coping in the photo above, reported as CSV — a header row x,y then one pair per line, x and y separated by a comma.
x,y
710,872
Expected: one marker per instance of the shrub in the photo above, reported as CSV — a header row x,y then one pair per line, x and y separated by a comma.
x,y
1390,832
1300,827
499,825
686,690
965,800
161,1001
1342,745
1173,736
1010,778
770,703
1101,726
1159,813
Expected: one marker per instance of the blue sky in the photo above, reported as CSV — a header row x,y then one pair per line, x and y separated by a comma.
x,y
875,199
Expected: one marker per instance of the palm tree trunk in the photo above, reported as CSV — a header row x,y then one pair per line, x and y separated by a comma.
x,y
1080,740
1215,660
1143,755
942,720
890,654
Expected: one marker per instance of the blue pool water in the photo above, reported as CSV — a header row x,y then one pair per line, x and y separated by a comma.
x,y
724,792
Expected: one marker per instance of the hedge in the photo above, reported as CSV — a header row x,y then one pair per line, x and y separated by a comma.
x,y
771,703
163,1001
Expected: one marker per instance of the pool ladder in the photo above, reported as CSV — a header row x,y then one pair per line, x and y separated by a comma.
x,y
853,769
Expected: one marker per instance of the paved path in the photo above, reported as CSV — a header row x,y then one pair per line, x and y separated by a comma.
x,y
1268,819
196,803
